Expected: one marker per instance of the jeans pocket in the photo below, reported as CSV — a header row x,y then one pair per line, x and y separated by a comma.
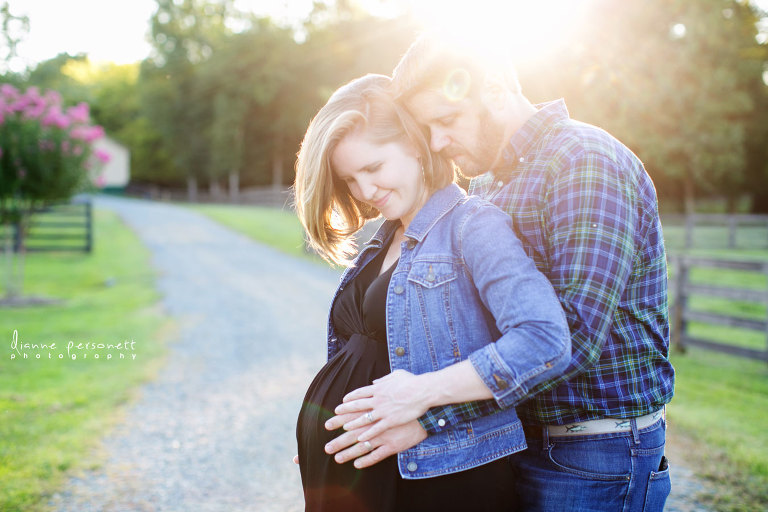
x,y
659,487
605,460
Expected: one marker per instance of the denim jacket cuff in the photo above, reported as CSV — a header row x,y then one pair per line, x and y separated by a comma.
x,y
499,378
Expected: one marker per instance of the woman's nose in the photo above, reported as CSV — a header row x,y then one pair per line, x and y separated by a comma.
x,y
367,189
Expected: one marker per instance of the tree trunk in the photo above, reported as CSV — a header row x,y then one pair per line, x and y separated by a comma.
x,y
191,189
277,165
215,190
234,186
688,194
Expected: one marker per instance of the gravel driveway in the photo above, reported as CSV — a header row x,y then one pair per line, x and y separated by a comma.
x,y
215,430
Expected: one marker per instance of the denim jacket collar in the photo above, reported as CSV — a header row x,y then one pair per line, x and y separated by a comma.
x,y
437,206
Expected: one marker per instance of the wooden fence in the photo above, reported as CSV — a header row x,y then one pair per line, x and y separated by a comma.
x,y
683,289
730,224
59,227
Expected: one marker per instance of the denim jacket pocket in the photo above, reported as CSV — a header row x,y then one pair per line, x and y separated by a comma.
x,y
432,294
431,274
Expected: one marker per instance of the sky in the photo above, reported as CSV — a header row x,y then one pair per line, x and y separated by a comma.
x,y
108,30
116,30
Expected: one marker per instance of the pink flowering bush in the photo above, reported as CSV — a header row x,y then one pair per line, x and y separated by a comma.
x,y
45,149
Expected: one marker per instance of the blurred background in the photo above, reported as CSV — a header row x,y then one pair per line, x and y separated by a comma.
x,y
212,96
198,107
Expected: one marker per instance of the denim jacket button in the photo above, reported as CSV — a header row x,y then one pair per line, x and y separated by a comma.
x,y
399,289
412,466
500,383
400,351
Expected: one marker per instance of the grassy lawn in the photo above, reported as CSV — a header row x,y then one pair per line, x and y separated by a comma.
x,y
279,228
54,408
721,407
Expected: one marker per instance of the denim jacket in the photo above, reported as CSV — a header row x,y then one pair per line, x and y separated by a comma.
x,y
465,289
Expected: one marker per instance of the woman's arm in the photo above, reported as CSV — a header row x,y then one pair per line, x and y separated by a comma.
x,y
534,345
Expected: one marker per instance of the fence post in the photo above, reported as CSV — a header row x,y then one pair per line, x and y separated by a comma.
x,y
679,322
88,226
732,226
689,222
765,271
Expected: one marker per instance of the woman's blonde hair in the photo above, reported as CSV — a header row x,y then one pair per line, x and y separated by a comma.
x,y
327,210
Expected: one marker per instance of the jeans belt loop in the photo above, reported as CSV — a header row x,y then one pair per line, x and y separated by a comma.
x,y
544,438
605,426
635,434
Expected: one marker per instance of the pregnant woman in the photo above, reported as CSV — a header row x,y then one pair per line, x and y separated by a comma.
x,y
443,291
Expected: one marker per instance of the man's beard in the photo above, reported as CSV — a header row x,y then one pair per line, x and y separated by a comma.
x,y
487,150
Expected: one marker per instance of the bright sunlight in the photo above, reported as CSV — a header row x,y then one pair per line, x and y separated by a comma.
x,y
523,30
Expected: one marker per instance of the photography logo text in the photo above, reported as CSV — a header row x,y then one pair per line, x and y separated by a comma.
x,y
71,350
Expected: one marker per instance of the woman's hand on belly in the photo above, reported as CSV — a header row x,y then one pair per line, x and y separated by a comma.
x,y
365,454
390,401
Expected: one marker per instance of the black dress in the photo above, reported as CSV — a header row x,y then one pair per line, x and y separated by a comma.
x,y
359,316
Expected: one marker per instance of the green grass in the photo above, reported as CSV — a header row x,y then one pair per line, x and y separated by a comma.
x,y
721,405
53,411
279,228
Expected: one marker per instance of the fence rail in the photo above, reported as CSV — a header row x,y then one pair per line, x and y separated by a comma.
x,y
732,223
682,314
58,227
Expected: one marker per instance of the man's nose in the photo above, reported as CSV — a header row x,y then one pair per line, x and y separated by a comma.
x,y
438,140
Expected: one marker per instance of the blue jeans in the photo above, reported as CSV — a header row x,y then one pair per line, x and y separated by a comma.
x,y
624,471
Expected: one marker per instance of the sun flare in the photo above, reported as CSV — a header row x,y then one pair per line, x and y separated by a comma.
x,y
523,30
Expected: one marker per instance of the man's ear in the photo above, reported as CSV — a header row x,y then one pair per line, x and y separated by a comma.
x,y
495,92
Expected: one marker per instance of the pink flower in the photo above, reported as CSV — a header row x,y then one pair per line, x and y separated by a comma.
x,y
56,118
79,113
9,91
52,98
96,132
87,133
34,110
103,156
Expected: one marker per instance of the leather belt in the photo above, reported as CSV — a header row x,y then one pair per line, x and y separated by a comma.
x,y
601,426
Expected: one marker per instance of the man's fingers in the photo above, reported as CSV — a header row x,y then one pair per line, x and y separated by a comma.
x,y
376,456
340,420
359,405
364,392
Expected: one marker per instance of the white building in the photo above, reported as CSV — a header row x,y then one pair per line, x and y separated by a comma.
x,y
115,173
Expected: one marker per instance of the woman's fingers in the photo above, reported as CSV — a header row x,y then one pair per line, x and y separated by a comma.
x,y
295,459
342,442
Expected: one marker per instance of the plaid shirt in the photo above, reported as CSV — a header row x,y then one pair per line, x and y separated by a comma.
x,y
586,212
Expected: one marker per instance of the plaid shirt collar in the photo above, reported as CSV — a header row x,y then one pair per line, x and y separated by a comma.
x,y
526,138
